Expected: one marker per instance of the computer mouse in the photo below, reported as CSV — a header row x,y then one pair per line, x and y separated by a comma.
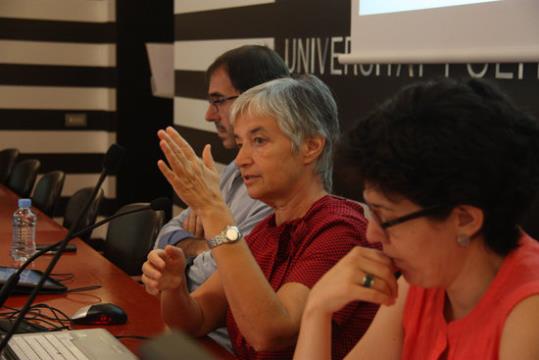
x,y
100,314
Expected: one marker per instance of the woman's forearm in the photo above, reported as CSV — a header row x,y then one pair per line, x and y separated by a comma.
x,y
314,342
181,311
261,315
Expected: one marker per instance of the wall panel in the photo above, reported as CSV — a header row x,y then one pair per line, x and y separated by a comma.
x,y
58,58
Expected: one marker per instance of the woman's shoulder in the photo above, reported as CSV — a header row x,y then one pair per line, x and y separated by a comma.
x,y
521,266
519,336
338,205
520,302
337,217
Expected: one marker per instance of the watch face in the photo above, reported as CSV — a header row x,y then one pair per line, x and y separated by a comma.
x,y
232,234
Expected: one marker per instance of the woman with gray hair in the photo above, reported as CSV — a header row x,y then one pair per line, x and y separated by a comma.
x,y
285,130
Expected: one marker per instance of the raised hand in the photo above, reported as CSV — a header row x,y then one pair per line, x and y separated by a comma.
x,y
164,270
194,180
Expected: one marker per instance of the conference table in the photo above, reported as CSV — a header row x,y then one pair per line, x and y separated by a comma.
x,y
89,268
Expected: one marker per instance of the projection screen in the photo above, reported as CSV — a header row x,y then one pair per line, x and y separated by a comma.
x,y
444,31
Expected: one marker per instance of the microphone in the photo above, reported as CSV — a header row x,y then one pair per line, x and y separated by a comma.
x,y
159,204
113,158
110,166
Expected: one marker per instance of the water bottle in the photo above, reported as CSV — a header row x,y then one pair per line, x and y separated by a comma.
x,y
23,244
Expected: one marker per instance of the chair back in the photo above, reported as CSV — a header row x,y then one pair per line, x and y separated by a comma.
x,y
8,157
47,191
131,237
75,205
23,176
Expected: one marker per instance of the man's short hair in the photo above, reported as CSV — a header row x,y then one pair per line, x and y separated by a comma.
x,y
250,65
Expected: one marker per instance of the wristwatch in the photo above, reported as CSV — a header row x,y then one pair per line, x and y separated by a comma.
x,y
229,235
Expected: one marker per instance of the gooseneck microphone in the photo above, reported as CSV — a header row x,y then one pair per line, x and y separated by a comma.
x,y
110,166
6,290
158,204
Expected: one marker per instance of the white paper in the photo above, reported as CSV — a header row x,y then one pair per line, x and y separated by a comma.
x,y
161,58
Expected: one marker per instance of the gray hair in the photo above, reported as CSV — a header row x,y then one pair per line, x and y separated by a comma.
x,y
303,108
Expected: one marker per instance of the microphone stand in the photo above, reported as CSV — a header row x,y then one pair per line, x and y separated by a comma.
x,y
12,281
114,151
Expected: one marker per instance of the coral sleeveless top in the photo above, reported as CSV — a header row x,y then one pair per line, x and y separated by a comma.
x,y
427,335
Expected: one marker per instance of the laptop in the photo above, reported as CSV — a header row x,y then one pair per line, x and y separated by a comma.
x,y
87,344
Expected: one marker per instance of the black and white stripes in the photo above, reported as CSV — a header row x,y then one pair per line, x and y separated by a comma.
x,y
57,58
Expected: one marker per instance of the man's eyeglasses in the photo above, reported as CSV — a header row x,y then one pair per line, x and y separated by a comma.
x,y
216,102
401,219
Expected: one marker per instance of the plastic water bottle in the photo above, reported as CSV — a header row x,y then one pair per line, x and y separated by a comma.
x,y
23,244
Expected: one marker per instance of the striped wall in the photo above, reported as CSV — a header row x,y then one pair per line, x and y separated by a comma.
x,y
58,57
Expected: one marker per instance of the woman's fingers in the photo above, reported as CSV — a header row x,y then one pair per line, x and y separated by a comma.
x,y
163,270
180,156
173,149
378,256
180,144
370,268
180,149
377,264
184,169
157,258
150,282
199,229
166,171
175,258
155,264
175,162
377,285
349,280
150,285
193,224
150,271
382,276
172,179
177,144
181,159
189,222
372,295
151,291
207,157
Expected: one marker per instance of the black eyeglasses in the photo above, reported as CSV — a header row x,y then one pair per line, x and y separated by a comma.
x,y
216,102
414,215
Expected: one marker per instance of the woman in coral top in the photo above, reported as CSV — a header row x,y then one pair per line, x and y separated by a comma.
x,y
448,169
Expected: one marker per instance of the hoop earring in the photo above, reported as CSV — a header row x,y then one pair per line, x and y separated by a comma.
x,y
463,240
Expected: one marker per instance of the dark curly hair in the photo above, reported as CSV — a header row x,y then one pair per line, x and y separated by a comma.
x,y
451,142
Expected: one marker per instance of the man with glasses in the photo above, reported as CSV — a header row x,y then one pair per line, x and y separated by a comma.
x,y
232,73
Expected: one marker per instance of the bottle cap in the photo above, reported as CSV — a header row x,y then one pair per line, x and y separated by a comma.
x,y
25,203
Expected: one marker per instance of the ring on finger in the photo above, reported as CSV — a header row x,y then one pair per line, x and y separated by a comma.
x,y
367,281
